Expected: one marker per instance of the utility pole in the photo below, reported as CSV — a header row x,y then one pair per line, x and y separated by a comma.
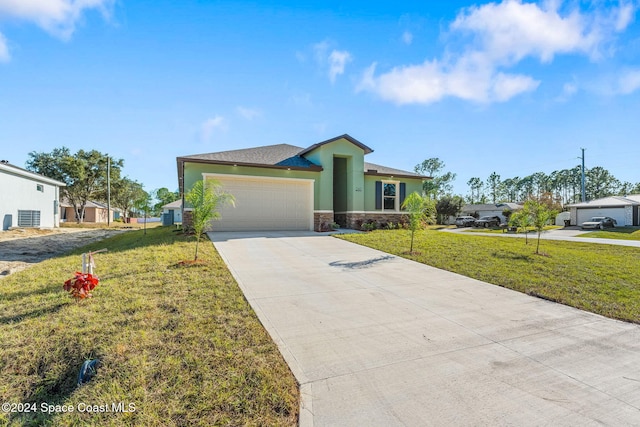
x,y
108,191
584,193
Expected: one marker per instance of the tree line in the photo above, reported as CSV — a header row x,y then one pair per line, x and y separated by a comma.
x,y
555,189
86,174
564,186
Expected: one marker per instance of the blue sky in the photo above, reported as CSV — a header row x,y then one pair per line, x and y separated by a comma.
x,y
512,87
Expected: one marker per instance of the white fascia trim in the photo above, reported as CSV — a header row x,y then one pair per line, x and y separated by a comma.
x,y
253,177
323,212
30,175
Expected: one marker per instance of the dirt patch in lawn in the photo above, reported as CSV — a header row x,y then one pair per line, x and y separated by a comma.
x,y
24,247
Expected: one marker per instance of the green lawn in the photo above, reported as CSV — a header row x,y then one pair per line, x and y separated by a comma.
x,y
622,233
498,230
603,279
181,344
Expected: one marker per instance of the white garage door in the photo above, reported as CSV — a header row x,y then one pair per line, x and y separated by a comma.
x,y
585,215
266,204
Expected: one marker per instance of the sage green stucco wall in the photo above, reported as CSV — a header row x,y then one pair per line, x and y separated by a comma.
x,y
323,156
370,188
193,172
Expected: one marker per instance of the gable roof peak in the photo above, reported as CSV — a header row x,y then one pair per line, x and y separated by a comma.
x,y
345,136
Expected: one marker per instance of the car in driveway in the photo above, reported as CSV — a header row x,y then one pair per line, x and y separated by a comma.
x,y
465,221
600,222
487,221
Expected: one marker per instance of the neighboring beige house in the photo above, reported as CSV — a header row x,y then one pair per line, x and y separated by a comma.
x,y
93,212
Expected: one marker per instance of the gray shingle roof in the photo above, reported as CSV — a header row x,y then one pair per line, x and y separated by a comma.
x,y
285,155
172,205
384,170
272,155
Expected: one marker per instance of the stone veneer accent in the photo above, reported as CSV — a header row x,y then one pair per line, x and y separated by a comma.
x,y
340,219
322,221
187,220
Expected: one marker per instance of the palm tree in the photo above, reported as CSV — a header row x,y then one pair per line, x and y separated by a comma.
x,y
205,199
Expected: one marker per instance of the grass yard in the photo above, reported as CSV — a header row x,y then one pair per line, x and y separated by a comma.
x,y
603,279
498,230
622,233
180,344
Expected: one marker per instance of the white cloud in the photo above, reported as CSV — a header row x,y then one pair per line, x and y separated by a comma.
x,y
337,61
320,50
407,37
4,49
249,113
432,81
499,36
301,100
625,15
57,17
568,90
629,82
210,125
506,86
509,31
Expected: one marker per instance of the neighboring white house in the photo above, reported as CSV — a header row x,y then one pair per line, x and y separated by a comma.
x,y
172,213
27,198
624,209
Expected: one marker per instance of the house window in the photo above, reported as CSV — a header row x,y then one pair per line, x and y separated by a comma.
x,y
390,195
28,218
40,188
390,198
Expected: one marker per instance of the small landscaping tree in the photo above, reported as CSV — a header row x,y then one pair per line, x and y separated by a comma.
x,y
540,215
205,199
522,220
420,209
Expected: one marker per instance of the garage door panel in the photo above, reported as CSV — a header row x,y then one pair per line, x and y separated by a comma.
x,y
584,215
266,204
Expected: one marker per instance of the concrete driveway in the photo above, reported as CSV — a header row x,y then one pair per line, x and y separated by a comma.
x,y
378,340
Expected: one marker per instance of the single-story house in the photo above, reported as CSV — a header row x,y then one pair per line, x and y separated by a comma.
x,y
284,187
624,209
28,199
93,212
172,213
489,209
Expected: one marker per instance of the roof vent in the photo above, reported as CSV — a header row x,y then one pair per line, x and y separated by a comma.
x,y
4,162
